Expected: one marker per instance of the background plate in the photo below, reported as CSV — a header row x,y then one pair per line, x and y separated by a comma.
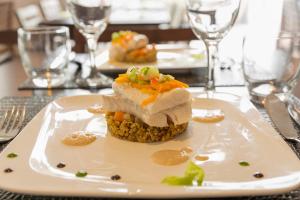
x,y
170,57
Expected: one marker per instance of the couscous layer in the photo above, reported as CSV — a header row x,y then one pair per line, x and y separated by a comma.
x,y
133,129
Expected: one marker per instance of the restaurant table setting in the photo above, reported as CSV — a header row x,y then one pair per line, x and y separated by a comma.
x,y
241,139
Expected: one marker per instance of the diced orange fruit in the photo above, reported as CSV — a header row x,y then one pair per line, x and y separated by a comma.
x,y
119,116
122,79
153,87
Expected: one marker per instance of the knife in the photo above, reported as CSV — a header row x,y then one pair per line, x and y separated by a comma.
x,y
281,118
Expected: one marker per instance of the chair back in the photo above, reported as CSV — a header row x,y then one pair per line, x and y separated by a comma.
x,y
5,15
29,16
52,9
5,28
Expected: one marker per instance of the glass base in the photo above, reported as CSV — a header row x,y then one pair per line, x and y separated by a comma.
x,y
258,93
44,82
98,81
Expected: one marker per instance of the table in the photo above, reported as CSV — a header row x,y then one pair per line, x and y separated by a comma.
x,y
12,74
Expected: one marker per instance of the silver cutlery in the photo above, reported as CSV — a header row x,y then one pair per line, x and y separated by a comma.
x,y
294,107
279,115
11,122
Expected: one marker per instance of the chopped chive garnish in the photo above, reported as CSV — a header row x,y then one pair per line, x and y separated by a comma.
x,y
198,56
81,174
244,163
12,155
145,70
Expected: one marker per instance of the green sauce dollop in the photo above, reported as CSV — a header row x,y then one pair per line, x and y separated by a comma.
x,y
193,173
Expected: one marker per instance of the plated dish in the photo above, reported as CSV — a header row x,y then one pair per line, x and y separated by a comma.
x,y
147,106
226,150
175,57
132,47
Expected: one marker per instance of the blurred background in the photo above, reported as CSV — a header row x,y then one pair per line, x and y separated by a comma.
x,y
161,20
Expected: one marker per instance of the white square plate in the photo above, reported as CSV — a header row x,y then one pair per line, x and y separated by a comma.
x,y
242,136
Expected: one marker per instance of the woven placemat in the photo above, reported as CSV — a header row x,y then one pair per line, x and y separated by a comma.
x,y
35,104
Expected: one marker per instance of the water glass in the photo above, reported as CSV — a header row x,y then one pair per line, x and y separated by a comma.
x,y
44,54
270,64
90,18
210,21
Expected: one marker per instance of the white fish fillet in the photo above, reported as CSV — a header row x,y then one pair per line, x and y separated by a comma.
x,y
178,114
164,100
118,52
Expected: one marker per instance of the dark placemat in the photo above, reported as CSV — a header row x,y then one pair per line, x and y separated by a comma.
x,y
35,104
228,77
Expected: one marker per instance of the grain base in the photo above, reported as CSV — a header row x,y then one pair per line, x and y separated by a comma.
x,y
135,130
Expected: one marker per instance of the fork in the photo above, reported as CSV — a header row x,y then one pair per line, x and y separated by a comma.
x,y
11,122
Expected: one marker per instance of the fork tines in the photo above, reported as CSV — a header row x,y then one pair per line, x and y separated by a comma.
x,y
11,122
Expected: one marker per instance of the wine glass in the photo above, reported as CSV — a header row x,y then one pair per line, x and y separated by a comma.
x,y
210,21
90,18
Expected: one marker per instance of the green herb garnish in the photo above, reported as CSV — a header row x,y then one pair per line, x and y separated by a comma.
x,y
115,35
150,72
81,174
12,155
198,56
146,74
145,70
244,163
193,173
133,74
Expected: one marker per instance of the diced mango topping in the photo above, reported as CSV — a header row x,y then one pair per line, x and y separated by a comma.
x,y
122,37
149,100
149,81
119,116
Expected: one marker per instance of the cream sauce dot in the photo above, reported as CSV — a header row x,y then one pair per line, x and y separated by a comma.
x,y
96,109
171,157
79,138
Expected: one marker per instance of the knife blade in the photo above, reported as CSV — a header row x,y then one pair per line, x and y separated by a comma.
x,y
280,117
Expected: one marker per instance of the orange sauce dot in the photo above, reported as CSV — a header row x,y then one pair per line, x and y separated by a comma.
x,y
96,109
201,158
208,116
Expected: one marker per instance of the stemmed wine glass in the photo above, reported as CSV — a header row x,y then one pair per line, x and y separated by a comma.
x,y
90,18
210,21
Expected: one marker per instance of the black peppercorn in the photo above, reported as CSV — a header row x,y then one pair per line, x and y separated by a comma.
x,y
115,177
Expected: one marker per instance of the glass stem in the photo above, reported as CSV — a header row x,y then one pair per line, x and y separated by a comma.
x,y
92,47
212,50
